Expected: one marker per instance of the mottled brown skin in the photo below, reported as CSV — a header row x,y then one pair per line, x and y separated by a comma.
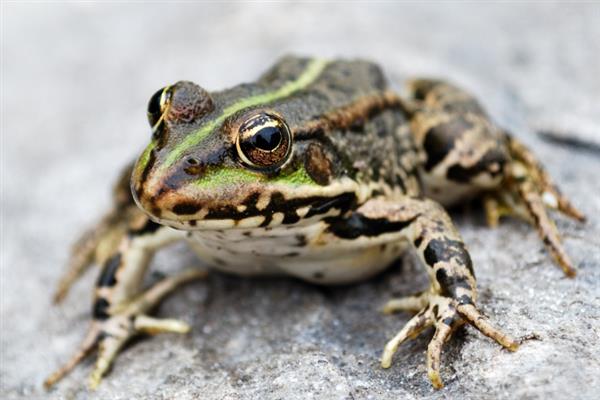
x,y
356,162
463,145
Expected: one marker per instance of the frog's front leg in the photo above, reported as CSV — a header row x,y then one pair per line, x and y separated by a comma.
x,y
119,309
450,300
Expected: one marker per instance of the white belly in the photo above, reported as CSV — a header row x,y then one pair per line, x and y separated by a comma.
x,y
306,252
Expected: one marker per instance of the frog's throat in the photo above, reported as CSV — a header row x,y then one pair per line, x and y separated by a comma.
x,y
312,71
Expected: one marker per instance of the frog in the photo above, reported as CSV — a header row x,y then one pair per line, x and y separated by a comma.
x,y
320,171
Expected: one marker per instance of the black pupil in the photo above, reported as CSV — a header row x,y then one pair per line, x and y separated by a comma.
x,y
267,138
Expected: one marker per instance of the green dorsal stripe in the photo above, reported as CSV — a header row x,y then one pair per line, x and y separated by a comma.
x,y
308,76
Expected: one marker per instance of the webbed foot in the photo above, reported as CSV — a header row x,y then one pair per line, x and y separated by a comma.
x,y
445,315
109,334
527,192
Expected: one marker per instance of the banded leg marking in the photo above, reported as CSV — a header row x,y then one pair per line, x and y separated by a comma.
x,y
466,153
450,300
119,310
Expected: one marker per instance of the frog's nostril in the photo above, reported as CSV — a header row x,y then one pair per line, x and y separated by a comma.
x,y
193,167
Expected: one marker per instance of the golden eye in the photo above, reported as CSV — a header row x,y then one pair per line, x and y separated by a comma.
x,y
264,141
158,104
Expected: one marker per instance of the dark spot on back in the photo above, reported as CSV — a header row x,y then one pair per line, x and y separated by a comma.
x,y
458,173
440,139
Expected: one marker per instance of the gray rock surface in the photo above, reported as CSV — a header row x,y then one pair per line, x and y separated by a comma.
x,y
75,81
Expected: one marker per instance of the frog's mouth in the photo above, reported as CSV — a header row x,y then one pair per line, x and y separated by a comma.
x,y
241,206
255,210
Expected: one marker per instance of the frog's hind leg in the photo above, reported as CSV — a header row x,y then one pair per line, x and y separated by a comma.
x,y
101,240
120,308
535,172
466,154
450,300
528,191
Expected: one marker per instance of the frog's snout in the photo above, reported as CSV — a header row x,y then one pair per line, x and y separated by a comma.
x,y
145,189
169,195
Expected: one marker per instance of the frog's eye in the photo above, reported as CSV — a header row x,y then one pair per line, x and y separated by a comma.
x,y
158,104
264,141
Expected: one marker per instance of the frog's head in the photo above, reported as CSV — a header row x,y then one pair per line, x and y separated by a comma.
x,y
236,158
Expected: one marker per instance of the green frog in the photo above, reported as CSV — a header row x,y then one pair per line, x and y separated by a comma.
x,y
319,171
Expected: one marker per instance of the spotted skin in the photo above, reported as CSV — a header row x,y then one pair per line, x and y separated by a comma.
x,y
316,170
466,154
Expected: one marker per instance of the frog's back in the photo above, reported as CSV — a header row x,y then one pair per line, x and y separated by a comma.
x,y
352,115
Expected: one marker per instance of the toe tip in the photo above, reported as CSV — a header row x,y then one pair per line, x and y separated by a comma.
x,y
570,273
94,382
386,361
436,381
48,383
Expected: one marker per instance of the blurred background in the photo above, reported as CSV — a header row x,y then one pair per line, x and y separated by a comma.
x,y
76,78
